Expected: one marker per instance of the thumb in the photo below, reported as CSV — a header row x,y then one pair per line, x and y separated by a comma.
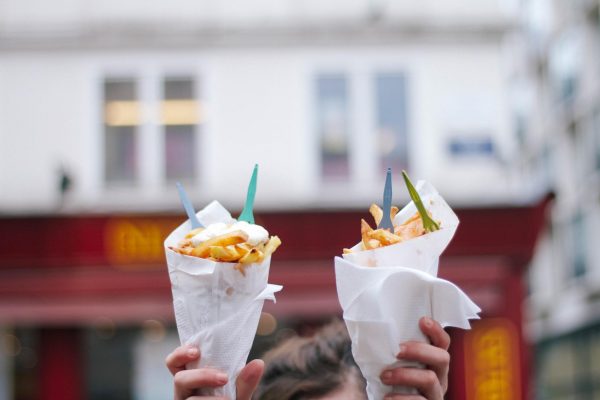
x,y
248,379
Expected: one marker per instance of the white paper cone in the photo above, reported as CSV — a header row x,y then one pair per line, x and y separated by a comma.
x,y
216,307
384,292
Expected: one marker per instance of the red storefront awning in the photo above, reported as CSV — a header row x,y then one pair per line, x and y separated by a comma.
x,y
93,269
75,269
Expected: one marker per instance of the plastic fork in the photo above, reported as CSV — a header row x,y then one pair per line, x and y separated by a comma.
x,y
386,220
189,208
428,223
247,214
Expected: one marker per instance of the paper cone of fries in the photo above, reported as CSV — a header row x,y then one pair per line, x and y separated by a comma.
x,y
216,306
385,291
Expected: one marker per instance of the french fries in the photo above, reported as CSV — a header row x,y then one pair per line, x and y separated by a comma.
x,y
229,247
226,253
374,238
193,233
272,245
377,212
228,239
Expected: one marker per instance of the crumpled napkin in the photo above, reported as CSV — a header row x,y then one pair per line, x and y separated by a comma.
x,y
384,292
216,307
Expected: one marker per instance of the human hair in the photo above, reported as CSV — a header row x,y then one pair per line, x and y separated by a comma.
x,y
303,368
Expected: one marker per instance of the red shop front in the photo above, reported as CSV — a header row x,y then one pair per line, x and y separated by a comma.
x,y
60,274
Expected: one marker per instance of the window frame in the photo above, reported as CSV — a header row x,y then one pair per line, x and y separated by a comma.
x,y
365,174
152,181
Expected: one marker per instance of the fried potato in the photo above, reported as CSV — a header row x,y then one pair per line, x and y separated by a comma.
x,y
372,244
186,243
252,256
193,233
182,250
393,212
412,228
384,237
365,228
226,254
230,247
231,238
271,245
243,249
374,238
347,251
376,212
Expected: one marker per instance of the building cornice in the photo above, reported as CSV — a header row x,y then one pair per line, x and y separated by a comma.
x,y
149,36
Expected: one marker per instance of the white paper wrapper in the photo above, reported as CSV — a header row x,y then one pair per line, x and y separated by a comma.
x,y
384,292
216,307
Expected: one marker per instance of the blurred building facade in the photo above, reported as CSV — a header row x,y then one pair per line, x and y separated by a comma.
x,y
104,105
127,99
558,103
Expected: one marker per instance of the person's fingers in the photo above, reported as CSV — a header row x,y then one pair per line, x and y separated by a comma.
x,y
440,339
434,331
206,398
432,357
187,381
182,355
394,396
424,380
425,354
248,379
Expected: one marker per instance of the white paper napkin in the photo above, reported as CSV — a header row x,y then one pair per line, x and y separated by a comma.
x,y
384,292
216,307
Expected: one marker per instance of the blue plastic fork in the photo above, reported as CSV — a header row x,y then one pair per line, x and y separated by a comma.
x,y
386,220
189,208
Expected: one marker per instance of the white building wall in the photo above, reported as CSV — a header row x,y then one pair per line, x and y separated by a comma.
x,y
259,106
255,63
44,107
71,15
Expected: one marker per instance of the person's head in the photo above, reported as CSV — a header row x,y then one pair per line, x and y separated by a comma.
x,y
311,368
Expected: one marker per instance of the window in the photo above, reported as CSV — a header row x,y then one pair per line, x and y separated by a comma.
x,y
109,362
121,121
568,366
547,164
578,237
564,62
22,348
179,116
332,125
132,144
557,364
391,125
594,353
473,145
596,128
361,124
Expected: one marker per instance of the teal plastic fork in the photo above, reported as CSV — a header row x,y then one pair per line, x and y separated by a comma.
x,y
247,214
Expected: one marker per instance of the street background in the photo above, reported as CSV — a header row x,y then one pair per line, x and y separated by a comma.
x,y
105,105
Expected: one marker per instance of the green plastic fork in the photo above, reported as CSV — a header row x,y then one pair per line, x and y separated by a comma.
x,y
429,224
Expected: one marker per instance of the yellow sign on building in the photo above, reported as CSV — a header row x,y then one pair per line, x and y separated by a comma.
x,y
492,367
135,241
